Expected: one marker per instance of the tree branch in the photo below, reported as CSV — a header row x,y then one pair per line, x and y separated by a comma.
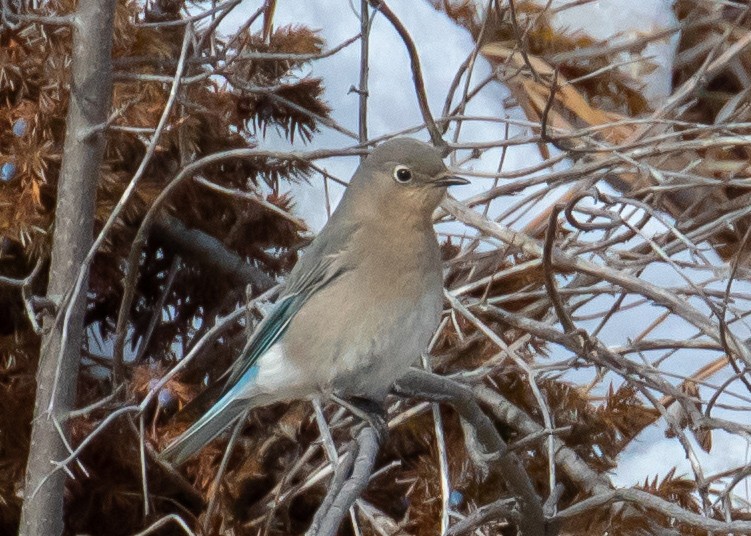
x,y
652,502
502,508
60,354
210,252
414,59
422,384
350,479
574,467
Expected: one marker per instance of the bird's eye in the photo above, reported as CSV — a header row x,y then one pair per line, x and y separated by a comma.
x,y
402,174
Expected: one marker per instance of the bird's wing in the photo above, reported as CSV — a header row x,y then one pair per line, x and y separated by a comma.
x,y
276,322
232,401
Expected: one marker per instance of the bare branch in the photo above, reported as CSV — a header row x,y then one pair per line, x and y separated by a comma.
x,y
350,478
507,465
57,377
652,502
414,58
500,509
210,252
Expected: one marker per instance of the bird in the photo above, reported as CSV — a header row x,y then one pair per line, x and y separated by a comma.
x,y
358,308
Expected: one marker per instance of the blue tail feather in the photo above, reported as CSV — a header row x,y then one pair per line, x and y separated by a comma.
x,y
217,419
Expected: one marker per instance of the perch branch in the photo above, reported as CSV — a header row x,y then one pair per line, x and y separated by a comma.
x,y
350,479
422,384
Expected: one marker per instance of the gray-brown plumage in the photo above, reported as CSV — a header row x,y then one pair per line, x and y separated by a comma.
x,y
361,304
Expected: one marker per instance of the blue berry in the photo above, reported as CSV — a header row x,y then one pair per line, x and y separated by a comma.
x,y
165,397
7,171
19,127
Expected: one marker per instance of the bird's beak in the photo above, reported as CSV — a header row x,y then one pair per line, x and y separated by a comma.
x,y
450,180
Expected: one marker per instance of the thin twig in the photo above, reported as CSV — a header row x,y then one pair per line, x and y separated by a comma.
x,y
414,58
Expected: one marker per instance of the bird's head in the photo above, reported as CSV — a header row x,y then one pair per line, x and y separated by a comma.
x,y
403,176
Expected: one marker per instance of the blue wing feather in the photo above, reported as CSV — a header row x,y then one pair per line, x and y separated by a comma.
x,y
230,406
266,334
271,328
222,414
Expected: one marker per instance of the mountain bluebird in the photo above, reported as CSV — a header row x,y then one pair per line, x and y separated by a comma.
x,y
360,305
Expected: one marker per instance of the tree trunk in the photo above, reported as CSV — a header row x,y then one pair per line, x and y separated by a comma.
x,y
90,97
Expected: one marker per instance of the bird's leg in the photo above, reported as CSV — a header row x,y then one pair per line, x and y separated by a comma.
x,y
369,411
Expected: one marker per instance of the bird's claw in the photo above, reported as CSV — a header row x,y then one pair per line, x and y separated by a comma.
x,y
370,412
380,427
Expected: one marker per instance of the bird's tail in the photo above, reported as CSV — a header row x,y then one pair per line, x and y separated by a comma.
x,y
214,422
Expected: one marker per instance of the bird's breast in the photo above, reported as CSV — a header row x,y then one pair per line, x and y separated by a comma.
x,y
362,331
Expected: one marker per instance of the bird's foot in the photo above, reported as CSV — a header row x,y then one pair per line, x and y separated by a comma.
x,y
369,411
